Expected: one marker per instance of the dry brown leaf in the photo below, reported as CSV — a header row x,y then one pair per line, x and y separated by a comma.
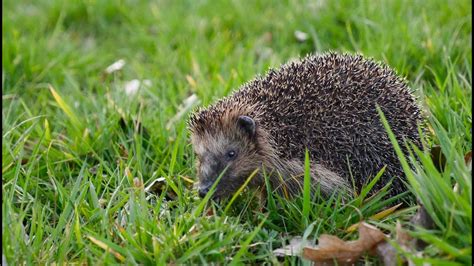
x,y
332,248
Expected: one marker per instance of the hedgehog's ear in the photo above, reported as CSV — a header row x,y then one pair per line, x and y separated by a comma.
x,y
247,124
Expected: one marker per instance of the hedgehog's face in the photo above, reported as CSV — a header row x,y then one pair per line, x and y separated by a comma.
x,y
231,152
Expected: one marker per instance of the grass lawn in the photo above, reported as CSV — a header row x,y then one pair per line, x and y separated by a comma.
x,y
80,143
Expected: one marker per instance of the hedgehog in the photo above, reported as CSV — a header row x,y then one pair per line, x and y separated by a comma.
x,y
323,104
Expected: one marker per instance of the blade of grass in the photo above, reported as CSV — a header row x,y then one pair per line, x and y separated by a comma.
x,y
65,107
245,244
237,193
108,247
307,187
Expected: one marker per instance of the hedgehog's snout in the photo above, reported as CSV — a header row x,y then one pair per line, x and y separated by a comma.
x,y
204,186
210,169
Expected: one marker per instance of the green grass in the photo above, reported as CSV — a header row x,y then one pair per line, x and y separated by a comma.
x,y
68,165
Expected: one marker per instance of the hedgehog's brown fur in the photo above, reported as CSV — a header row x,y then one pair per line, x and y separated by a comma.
x,y
325,103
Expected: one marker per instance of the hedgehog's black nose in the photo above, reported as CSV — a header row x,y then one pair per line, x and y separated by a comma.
x,y
203,191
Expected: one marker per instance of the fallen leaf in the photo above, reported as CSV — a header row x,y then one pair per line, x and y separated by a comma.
x,y
332,248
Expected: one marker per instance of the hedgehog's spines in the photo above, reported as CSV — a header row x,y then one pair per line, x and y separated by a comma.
x,y
326,103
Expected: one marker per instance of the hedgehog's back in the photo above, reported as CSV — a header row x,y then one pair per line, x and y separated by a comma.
x,y
327,103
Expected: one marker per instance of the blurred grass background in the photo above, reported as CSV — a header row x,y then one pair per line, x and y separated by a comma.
x,y
68,164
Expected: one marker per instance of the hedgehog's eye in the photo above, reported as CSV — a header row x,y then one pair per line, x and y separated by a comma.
x,y
231,154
